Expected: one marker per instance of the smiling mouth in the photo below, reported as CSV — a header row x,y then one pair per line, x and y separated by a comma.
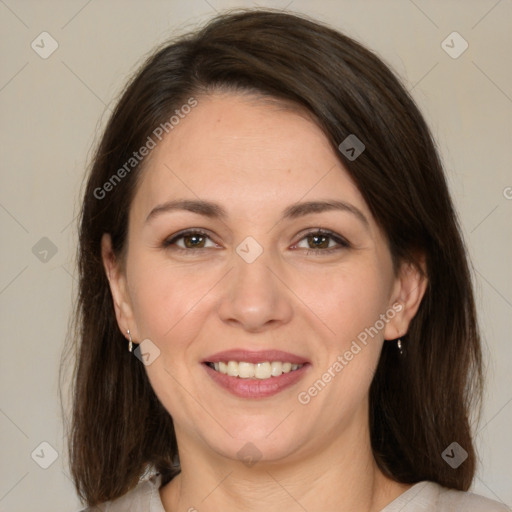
x,y
245,370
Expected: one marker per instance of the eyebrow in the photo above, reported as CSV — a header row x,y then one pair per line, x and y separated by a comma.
x,y
294,211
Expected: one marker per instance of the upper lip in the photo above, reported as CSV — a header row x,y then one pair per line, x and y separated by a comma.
x,y
250,356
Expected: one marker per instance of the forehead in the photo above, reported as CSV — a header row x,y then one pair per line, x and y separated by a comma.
x,y
251,152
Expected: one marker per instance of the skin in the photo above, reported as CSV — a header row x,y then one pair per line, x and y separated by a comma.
x,y
254,159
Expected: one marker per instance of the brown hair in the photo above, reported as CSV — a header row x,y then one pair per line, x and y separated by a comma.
x,y
420,402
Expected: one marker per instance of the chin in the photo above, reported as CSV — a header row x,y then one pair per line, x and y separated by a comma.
x,y
261,441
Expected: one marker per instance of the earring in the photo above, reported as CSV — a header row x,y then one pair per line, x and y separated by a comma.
x,y
130,343
399,345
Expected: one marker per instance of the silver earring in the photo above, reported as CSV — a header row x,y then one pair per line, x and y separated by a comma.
x,y
130,343
399,345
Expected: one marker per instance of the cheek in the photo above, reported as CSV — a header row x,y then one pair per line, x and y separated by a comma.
x,y
347,300
171,303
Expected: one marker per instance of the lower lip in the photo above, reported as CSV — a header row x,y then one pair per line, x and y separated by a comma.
x,y
256,388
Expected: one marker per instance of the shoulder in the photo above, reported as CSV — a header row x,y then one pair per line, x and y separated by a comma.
x,y
429,496
142,498
461,501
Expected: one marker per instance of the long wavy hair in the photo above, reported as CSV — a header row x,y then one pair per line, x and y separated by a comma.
x,y
420,401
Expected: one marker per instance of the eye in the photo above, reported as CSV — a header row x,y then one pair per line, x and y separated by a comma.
x,y
316,242
189,239
322,241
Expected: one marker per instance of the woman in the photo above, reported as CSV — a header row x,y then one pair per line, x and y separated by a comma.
x,y
275,306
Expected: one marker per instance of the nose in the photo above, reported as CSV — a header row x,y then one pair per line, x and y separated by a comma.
x,y
254,297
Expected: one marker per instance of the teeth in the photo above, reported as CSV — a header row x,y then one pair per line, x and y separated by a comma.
x,y
245,370
263,370
276,368
232,369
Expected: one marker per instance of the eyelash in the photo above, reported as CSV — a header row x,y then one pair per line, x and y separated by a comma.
x,y
342,243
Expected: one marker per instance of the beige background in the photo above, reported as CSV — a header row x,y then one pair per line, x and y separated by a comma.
x,y
53,109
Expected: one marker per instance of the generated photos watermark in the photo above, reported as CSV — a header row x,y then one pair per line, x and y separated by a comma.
x,y
342,360
137,156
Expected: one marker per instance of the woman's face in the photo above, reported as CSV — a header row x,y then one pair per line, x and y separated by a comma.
x,y
281,262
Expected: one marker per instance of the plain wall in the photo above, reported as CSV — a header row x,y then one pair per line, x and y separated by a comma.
x,y
52,110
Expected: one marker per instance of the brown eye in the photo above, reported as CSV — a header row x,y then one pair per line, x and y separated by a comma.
x,y
318,241
322,242
191,239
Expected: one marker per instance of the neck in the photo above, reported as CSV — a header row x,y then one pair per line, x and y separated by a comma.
x,y
341,477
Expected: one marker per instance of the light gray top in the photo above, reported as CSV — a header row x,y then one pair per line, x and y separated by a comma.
x,y
421,497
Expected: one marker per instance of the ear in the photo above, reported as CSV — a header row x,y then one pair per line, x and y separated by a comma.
x,y
410,285
118,287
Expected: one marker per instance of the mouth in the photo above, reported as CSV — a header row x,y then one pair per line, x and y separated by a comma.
x,y
255,374
262,370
